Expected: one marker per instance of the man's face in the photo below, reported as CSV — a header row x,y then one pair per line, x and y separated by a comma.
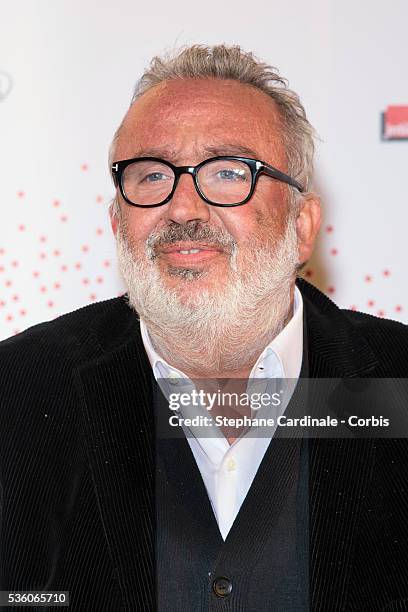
x,y
186,122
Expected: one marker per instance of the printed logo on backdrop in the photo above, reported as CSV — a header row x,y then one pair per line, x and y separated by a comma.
x,y
6,84
395,123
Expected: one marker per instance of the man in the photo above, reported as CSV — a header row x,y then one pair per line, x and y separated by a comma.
x,y
95,502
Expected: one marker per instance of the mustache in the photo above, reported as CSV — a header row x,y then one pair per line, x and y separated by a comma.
x,y
193,231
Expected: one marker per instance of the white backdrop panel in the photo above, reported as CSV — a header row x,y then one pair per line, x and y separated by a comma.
x,y
73,65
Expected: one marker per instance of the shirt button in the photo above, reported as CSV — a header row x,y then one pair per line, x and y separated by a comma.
x,y
222,586
231,465
174,378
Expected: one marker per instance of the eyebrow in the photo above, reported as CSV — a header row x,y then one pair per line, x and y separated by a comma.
x,y
171,154
231,149
163,152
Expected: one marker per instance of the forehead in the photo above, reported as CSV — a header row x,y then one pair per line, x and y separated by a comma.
x,y
187,116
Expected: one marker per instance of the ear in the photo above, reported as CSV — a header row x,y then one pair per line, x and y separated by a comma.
x,y
113,215
307,225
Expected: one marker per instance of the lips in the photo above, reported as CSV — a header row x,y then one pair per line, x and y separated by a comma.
x,y
188,247
189,252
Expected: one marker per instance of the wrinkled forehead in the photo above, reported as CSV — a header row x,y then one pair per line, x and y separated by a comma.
x,y
188,118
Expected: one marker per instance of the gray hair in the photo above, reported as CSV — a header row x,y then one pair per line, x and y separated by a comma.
x,y
231,62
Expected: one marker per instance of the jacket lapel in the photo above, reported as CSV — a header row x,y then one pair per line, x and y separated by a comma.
x,y
116,405
335,347
339,469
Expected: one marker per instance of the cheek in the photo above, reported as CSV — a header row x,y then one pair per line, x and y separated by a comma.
x,y
259,224
266,214
140,223
245,224
272,223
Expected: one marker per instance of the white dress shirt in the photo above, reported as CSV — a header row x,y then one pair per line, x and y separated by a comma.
x,y
229,470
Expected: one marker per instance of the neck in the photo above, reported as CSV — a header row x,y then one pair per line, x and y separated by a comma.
x,y
227,355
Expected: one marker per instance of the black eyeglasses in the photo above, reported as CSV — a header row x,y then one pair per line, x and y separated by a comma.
x,y
220,181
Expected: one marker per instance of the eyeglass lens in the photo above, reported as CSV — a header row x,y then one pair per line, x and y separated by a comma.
x,y
220,181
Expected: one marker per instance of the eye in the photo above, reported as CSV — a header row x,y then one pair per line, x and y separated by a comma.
x,y
154,177
232,174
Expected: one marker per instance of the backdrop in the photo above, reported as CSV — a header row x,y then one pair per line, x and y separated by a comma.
x,y
67,71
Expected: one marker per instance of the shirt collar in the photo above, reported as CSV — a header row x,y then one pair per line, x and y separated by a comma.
x,y
281,358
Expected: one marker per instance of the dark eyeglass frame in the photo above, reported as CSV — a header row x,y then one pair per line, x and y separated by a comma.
x,y
256,166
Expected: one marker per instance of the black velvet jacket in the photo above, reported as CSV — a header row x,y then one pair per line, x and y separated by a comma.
x,y
77,470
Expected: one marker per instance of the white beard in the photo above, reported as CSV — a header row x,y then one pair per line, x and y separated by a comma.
x,y
215,331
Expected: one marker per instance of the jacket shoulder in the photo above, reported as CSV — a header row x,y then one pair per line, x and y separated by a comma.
x,y
388,339
354,342
37,366
377,325
367,324
71,337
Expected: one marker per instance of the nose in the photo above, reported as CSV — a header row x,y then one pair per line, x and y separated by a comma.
x,y
186,205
